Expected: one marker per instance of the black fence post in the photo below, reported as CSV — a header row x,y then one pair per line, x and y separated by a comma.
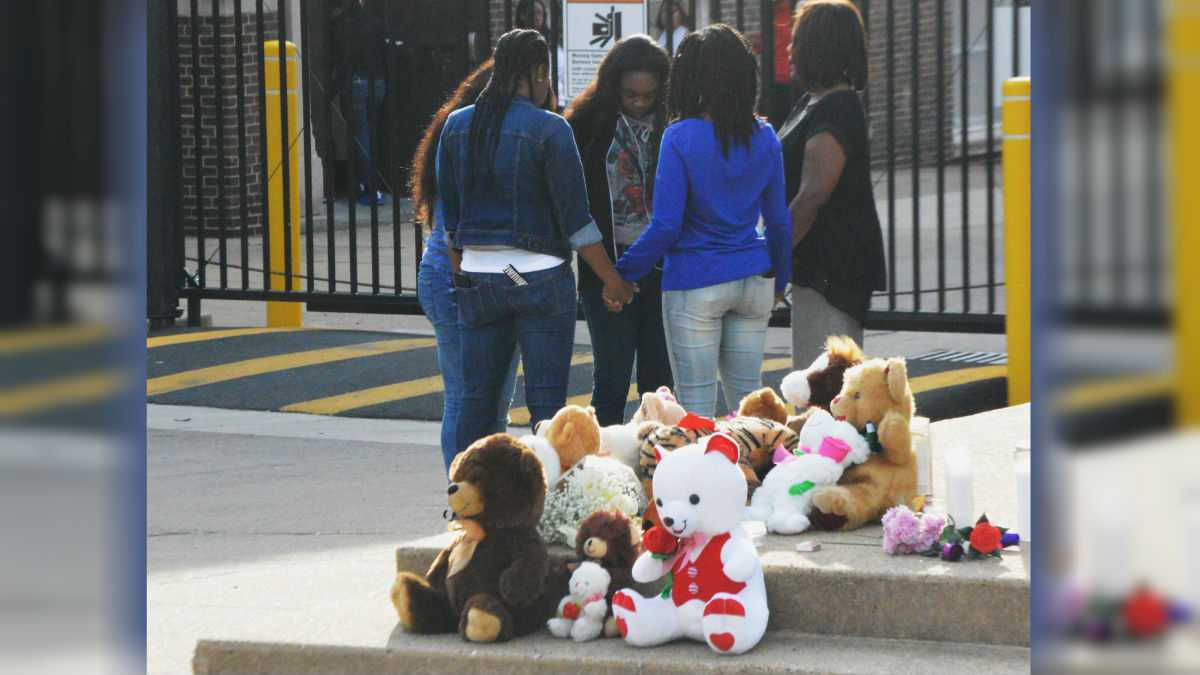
x,y
164,265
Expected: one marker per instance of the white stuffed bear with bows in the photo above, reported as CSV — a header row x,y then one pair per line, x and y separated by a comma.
x,y
581,614
826,448
716,594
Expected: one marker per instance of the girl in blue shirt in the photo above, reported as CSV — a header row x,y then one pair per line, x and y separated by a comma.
x,y
720,170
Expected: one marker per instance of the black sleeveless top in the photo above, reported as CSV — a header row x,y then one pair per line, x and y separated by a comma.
x,y
842,257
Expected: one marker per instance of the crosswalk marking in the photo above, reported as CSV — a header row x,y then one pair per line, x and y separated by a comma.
x,y
58,393
990,358
271,364
204,336
388,393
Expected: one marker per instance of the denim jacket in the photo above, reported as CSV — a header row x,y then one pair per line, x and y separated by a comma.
x,y
536,199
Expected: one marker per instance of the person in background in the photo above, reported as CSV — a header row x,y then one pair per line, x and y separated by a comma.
x,y
672,24
435,288
534,15
837,258
515,205
363,48
719,169
618,121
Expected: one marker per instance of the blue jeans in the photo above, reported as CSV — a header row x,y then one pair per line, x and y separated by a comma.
x,y
617,338
361,100
436,293
721,327
497,315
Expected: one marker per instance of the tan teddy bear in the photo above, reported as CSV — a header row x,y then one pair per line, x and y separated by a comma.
x,y
876,393
574,433
658,406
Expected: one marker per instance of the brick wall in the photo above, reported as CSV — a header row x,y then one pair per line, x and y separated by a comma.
x,y
218,62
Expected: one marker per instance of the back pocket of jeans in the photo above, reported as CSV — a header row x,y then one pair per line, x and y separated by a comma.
x,y
472,309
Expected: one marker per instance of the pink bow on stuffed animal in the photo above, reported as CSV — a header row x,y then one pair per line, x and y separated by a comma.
x,y
834,448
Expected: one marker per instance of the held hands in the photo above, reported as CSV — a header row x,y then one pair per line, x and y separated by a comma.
x,y
617,293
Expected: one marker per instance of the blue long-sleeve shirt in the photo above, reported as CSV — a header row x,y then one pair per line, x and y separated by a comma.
x,y
707,207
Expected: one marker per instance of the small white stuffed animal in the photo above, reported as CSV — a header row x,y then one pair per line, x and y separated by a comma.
x,y
620,442
581,614
717,594
826,448
545,452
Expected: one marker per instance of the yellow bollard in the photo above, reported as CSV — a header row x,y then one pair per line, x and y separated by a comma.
x,y
1183,111
283,314
1017,140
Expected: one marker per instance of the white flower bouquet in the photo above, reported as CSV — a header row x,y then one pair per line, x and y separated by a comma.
x,y
594,484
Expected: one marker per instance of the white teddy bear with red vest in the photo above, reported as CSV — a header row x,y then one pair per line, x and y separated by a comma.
x,y
716,592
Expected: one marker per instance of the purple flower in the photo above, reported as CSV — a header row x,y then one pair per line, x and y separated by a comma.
x,y
931,530
952,552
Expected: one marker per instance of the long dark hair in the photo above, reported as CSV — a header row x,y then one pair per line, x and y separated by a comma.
x,y
594,111
716,73
518,52
422,180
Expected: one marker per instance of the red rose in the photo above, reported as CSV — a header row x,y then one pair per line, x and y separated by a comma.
x,y
985,538
658,540
571,610
1146,614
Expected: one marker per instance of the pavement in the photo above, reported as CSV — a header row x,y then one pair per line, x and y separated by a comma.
x,y
394,374
273,540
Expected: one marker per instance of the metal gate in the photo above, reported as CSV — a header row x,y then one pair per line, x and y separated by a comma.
x,y
932,103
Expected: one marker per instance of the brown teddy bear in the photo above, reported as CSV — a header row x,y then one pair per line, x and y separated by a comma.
x,y
495,581
875,394
764,403
574,433
612,540
816,386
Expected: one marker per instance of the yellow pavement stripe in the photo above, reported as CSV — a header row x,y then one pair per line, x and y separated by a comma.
x,y
772,365
387,393
271,364
203,336
520,417
952,378
49,337
1113,391
57,393
332,405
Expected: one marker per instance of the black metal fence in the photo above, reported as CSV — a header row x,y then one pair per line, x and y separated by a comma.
x,y
932,107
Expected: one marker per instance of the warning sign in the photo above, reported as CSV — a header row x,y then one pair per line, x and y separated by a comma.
x,y
591,29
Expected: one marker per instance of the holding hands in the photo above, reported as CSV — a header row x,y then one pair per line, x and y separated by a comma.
x,y
618,293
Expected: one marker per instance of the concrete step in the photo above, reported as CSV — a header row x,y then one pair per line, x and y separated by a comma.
x,y
850,587
779,652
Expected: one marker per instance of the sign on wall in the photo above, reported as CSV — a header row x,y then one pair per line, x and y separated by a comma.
x,y
591,27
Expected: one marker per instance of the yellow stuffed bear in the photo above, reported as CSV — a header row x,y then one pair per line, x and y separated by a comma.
x,y
877,400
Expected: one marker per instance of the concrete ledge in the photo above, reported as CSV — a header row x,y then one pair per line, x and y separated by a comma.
x,y
779,652
850,587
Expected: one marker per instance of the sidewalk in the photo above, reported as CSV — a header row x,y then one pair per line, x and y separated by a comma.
x,y
282,529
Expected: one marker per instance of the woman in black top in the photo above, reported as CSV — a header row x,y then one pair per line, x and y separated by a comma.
x,y
618,120
837,245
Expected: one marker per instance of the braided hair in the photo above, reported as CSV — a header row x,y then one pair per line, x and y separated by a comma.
x,y
715,73
518,53
594,111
